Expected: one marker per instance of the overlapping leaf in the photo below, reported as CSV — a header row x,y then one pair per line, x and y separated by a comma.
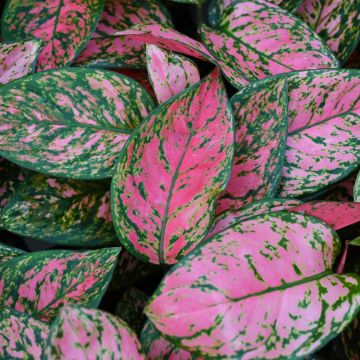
x,y
9,252
341,191
65,26
40,283
336,21
169,73
71,122
80,333
261,126
160,214
263,288
257,39
60,211
357,188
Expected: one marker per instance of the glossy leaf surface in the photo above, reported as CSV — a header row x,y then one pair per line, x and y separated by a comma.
x,y
9,252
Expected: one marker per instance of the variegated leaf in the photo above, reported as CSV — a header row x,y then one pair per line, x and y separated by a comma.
x,y
18,59
324,130
357,189
70,122
169,73
264,288
65,26
257,39
21,336
260,111
60,211
159,213
8,252
80,333
40,283
336,21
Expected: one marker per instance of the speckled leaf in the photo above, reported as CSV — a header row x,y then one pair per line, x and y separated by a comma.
x,y
336,214
324,130
70,122
61,211
357,188
169,73
40,283
159,213
264,288
80,333
18,59
258,39
21,337
336,21
65,26
8,252
260,112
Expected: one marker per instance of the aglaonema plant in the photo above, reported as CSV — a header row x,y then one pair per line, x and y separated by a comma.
x,y
178,190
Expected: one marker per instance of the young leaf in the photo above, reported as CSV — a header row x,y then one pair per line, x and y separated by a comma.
x,y
64,26
357,188
260,111
59,210
21,336
70,122
160,213
80,333
18,59
40,283
169,73
336,21
258,39
9,252
263,288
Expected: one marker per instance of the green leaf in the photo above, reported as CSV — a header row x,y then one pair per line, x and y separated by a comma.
x,y
355,242
357,188
8,252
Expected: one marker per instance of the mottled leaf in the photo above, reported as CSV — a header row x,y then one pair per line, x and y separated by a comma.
x,y
70,122
40,283
336,21
357,188
160,214
65,26
264,288
80,333
260,112
257,39
8,252
21,336
60,211
169,73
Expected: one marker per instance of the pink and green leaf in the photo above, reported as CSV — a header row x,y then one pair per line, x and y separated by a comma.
x,y
260,112
70,122
80,333
169,73
159,214
64,26
40,283
257,39
8,252
21,336
264,288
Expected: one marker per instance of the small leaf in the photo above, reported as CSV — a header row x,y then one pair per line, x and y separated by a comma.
x,y
64,26
159,213
357,188
8,252
336,21
80,333
260,112
40,283
257,39
70,122
21,337
264,288
169,73
355,242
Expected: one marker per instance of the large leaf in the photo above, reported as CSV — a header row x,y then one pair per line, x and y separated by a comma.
x,y
60,211
18,59
324,130
263,288
260,111
336,21
80,333
169,73
160,213
357,188
65,26
40,283
9,252
258,39
71,122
